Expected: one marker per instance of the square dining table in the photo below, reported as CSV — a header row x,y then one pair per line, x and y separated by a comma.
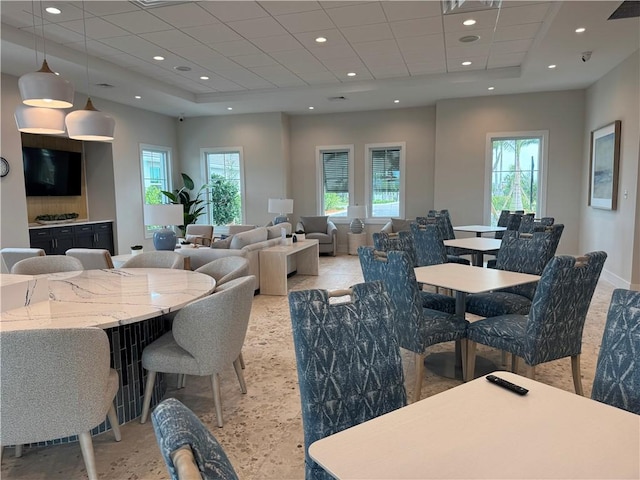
x,y
479,229
479,245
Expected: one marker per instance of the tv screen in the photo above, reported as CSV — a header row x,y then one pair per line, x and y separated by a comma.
x,y
50,172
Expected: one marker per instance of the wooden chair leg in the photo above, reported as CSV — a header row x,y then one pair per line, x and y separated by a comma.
x,y
471,360
577,376
179,381
217,399
113,420
18,451
238,366
530,371
241,358
184,380
515,363
417,387
86,445
148,391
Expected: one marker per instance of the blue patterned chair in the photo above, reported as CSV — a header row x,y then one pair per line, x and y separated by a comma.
x,y
443,223
417,327
553,328
187,446
617,380
348,361
523,254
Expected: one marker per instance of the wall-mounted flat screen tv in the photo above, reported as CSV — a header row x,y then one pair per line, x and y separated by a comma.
x,y
49,172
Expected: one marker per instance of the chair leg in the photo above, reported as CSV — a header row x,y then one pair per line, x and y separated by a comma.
x,y
148,391
179,380
504,356
577,377
238,366
241,358
530,371
417,389
18,451
184,381
115,425
217,400
464,345
515,363
471,360
86,445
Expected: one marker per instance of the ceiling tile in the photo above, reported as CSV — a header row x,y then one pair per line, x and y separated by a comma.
x,y
361,14
469,51
170,38
305,67
96,28
59,34
517,32
277,43
237,47
376,48
282,8
133,45
425,56
381,59
67,13
294,56
108,7
324,53
514,46
425,43
187,14
306,21
122,59
506,60
427,68
138,22
233,10
318,78
344,65
258,27
256,60
278,75
417,27
367,33
395,11
523,14
95,48
208,34
453,39
334,39
389,71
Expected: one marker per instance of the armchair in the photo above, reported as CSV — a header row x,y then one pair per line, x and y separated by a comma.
x,y
322,229
396,225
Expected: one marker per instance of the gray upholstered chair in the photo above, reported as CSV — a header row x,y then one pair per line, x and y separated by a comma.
x,y
348,361
199,234
417,327
155,259
92,258
553,328
47,264
322,229
11,256
56,383
396,225
189,449
617,380
206,336
225,269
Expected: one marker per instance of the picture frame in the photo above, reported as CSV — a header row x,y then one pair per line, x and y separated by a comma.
x,y
603,166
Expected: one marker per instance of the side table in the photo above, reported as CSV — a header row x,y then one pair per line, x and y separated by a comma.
x,y
355,240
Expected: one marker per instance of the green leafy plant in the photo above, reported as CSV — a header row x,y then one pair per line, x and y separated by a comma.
x,y
225,200
193,204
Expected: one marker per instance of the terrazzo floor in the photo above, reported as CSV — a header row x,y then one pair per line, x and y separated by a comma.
x,y
262,434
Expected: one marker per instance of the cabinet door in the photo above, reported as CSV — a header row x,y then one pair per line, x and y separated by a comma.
x,y
41,238
83,236
62,239
103,236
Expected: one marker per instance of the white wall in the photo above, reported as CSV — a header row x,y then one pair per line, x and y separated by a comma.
x,y
461,128
617,232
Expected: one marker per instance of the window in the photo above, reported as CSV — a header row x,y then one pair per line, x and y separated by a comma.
x,y
224,167
385,179
335,179
515,164
155,173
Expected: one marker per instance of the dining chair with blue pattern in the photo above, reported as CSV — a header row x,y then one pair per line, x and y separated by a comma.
x,y
553,328
348,361
617,380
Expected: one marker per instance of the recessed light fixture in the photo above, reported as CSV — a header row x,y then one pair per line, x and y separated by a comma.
x,y
581,30
158,58
229,108
396,101
321,39
469,22
204,77
491,88
182,68
466,64
137,97
53,10
551,66
469,38
311,108
351,74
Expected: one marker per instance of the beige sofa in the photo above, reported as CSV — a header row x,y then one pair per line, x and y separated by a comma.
x,y
245,244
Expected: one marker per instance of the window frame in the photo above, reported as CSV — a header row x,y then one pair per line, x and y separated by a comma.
x,y
168,151
320,149
543,135
205,174
368,169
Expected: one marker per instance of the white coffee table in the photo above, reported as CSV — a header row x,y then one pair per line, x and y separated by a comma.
x,y
273,265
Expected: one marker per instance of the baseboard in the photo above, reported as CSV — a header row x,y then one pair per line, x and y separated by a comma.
x,y
617,281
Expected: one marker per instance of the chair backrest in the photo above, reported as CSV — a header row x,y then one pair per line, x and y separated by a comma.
x,y
527,224
348,361
11,256
53,383
92,258
503,221
559,307
47,264
213,328
617,380
155,259
200,234
314,224
429,247
446,226
402,241
176,427
226,269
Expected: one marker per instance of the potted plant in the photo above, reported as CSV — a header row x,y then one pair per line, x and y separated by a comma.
x,y
193,204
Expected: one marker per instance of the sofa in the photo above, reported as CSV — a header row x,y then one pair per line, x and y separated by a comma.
x,y
322,229
396,225
245,244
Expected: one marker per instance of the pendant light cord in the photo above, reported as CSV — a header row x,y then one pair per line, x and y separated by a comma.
x,y
44,42
35,32
86,50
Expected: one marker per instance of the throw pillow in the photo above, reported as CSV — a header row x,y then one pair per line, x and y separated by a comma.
x,y
243,239
400,225
222,243
275,231
314,224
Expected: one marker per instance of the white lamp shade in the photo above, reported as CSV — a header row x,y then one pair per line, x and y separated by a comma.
x,y
357,211
163,214
45,89
280,205
39,120
90,124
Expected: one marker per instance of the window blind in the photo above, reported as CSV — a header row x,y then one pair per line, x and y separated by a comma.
x,y
335,168
386,169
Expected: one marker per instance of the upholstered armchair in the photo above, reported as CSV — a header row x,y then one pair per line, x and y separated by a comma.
x,y
322,229
199,234
396,225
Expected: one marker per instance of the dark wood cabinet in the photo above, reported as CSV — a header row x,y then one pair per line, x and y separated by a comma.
x,y
57,240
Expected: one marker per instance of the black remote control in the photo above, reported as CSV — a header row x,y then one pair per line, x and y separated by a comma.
x,y
508,385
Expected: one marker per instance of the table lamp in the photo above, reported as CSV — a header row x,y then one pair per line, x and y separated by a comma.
x,y
164,214
356,212
281,206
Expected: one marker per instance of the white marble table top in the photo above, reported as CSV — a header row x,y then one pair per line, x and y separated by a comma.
x,y
108,298
480,244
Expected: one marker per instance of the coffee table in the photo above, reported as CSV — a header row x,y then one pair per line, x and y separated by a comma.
x,y
273,265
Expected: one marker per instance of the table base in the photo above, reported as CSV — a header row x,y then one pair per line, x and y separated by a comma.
x,y
443,364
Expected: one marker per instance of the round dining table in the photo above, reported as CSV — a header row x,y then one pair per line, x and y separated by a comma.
x,y
128,303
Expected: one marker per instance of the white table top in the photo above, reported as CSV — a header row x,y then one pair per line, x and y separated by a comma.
x,y
479,228
291,249
470,279
480,244
108,298
481,431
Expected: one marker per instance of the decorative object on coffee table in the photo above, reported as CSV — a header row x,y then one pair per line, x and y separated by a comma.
x,y
164,215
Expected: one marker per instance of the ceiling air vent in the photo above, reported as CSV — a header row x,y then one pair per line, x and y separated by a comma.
x,y
104,85
182,68
627,9
337,99
469,38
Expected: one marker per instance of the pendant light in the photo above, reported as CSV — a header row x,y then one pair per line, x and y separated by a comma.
x,y
44,88
39,120
89,124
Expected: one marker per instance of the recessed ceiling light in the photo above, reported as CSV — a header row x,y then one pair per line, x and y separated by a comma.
x,y
491,88
137,97
396,101
311,108
321,39
229,108
469,22
469,38
581,30
158,57
204,77
53,10
551,66
182,68
466,64
351,74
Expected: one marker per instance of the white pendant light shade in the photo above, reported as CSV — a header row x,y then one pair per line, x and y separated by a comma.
x,y
90,124
45,89
39,120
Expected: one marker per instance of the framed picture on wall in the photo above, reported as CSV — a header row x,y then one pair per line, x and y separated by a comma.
x,y
603,171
